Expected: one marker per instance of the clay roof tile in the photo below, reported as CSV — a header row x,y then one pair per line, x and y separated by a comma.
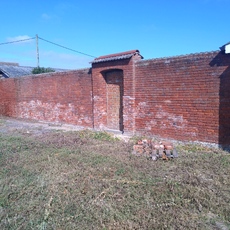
x,y
116,56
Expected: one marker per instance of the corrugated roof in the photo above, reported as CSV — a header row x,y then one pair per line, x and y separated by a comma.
x,y
117,56
13,71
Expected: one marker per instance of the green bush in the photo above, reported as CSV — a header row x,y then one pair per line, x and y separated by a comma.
x,y
38,70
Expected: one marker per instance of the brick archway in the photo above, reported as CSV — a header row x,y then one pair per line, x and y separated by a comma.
x,y
106,68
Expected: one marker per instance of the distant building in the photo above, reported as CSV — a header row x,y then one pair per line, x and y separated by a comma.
x,y
13,70
226,48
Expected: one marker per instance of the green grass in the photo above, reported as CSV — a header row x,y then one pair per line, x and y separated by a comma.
x,y
89,180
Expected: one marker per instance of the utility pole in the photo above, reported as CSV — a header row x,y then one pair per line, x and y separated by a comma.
x,y
37,51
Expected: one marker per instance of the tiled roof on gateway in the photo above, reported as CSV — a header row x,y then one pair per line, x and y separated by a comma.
x,y
117,56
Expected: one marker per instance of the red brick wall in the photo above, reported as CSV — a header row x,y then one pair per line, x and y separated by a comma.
x,y
184,98
56,97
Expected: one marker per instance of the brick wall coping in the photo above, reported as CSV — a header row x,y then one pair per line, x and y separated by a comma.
x,y
54,73
182,57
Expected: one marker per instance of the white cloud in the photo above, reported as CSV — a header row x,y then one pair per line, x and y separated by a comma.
x,y
47,59
58,11
46,16
64,6
217,1
49,17
149,28
63,60
26,55
19,38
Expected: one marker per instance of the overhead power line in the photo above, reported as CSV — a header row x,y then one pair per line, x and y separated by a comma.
x,y
66,47
22,40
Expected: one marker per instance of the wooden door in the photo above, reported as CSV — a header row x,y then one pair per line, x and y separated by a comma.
x,y
114,80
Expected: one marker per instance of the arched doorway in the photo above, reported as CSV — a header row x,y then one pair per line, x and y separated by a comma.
x,y
114,91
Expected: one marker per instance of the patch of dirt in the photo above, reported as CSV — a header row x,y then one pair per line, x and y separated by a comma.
x,y
8,124
36,128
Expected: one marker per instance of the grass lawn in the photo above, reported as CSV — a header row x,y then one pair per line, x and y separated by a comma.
x,y
87,180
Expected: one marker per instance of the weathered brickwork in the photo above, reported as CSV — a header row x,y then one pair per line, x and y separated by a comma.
x,y
55,97
182,98
8,97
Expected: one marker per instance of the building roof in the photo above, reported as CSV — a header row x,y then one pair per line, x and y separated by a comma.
x,y
13,70
222,48
117,56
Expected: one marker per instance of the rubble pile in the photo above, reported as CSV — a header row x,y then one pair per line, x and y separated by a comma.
x,y
155,150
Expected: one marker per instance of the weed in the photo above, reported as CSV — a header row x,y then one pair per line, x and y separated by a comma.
x,y
104,136
89,180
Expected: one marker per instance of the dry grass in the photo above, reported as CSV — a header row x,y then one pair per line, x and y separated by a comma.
x,y
87,180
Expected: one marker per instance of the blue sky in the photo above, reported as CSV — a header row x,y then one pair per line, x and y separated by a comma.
x,y
158,28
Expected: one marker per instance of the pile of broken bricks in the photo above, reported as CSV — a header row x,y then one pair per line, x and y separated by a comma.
x,y
155,150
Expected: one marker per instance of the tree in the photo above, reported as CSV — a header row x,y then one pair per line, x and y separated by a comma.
x,y
39,69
